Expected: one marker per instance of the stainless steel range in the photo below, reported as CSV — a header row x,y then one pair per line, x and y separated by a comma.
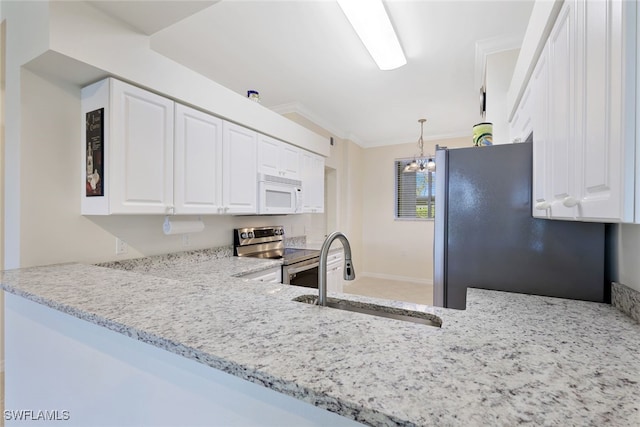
x,y
299,266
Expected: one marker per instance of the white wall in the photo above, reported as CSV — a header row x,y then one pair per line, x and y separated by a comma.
x,y
498,78
344,192
397,249
27,34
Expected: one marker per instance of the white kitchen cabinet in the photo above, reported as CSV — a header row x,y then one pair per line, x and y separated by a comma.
x,y
239,180
521,126
138,150
335,266
606,120
312,182
584,145
272,275
198,162
539,85
278,158
562,112
215,165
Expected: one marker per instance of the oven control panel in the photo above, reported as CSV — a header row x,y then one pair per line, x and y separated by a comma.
x,y
275,233
243,237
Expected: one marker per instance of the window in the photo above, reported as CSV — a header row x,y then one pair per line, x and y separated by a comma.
x,y
415,193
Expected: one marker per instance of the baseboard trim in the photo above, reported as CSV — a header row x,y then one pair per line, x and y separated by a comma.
x,y
397,278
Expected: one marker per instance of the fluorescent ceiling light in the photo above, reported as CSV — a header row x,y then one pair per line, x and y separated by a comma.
x,y
371,22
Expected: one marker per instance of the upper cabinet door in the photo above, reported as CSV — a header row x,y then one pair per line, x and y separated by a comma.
x,y
198,162
539,107
268,155
312,183
278,158
606,155
562,112
142,151
240,180
290,161
585,143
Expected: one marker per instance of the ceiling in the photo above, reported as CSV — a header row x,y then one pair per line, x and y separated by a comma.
x,y
303,56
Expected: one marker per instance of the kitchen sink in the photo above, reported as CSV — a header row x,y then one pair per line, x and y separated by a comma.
x,y
376,310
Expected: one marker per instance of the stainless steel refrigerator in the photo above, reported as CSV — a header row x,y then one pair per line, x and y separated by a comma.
x,y
486,236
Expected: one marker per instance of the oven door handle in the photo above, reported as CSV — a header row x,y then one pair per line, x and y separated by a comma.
x,y
300,269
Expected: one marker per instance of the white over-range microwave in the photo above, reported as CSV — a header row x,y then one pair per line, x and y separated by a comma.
x,y
278,195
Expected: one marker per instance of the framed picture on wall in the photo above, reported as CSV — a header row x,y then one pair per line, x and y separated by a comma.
x,y
95,153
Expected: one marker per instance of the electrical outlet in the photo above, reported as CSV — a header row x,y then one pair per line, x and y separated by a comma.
x,y
186,241
121,246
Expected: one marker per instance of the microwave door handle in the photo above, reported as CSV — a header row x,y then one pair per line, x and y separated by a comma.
x,y
298,204
300,269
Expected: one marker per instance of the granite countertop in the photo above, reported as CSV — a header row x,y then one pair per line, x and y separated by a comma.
x,y
508,359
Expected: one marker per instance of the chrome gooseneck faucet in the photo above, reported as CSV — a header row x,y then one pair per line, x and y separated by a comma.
x,y
349,272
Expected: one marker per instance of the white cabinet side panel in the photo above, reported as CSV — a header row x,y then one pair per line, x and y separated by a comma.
x,y
94,97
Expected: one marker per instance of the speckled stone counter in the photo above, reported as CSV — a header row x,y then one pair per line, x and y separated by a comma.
x,y
508,359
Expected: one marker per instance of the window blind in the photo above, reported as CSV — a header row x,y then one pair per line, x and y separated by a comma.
x,y
415,193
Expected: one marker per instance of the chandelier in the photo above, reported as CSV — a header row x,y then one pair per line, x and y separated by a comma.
x,y
420,163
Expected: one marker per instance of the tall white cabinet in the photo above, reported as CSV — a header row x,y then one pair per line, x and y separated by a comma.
x,y
606,120
583,116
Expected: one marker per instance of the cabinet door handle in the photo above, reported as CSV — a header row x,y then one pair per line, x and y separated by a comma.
x,y
570,201
543,205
